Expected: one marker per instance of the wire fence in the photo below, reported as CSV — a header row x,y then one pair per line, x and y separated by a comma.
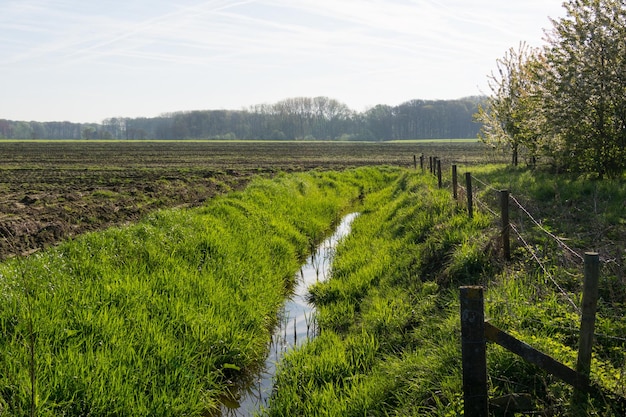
x,y
562,267
484,197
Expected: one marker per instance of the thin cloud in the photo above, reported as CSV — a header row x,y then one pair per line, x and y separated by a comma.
x,y
216,47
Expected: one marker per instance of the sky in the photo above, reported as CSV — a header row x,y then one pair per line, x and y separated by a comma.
x,y
85,61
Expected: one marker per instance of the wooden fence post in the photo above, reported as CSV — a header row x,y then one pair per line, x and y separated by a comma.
x,y
430,164
468,186
474,352
455,183
422,162
587,325
439,182
506,242
415,162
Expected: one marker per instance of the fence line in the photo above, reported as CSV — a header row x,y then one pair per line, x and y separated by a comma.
x,y
484,184
530,216
475,331
545,270
552,235
528,246
485,206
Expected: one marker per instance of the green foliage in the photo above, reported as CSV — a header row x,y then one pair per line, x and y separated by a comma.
x,y
566,102
585,85
510,117
161,317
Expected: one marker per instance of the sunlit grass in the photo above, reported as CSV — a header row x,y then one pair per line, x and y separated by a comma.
x,y
395,281
164,316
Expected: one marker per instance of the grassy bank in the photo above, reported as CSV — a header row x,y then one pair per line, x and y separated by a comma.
x,y
389,340
160,318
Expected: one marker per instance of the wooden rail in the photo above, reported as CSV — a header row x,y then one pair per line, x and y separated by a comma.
x,y
475,333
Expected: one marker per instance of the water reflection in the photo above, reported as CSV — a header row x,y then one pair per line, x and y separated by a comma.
x,y
296,325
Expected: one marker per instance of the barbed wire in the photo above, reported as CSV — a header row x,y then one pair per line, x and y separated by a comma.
x,y
486,185
543,268
485,206
528,248
569,330
541,227
546,231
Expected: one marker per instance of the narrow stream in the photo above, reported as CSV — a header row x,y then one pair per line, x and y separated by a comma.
x,y
295,327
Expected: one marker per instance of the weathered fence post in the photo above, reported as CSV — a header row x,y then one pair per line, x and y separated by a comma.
x,y
439,182
587,325
455,183
422,162
474,352
468,186
415,162
430,164
506,242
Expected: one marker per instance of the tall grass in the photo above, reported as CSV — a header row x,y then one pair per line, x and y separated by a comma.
x,y
165,316
382,330
389,316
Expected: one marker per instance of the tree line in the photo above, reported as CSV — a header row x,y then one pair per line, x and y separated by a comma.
x,y
300,118
565,102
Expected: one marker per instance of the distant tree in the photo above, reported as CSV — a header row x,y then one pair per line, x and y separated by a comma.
x,y
584,86
6,131
379,121
113,128
22,130
38,130
300,118
436,119
89,132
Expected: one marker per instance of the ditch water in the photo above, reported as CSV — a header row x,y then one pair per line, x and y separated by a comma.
x,y
296,325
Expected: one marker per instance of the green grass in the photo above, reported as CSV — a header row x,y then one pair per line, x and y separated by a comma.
x,y
380,314
389,321
162,317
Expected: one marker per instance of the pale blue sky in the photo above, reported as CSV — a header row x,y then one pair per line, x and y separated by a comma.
x,y
84,61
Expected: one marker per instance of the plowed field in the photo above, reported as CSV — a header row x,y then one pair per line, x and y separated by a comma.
x,y
54,190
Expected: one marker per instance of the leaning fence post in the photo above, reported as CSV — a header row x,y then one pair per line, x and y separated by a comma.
x,y
474,352
506,242
439,182
468,186
587,322
455,183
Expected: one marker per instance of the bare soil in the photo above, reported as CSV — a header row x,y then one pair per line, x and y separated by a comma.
x,y
54,190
